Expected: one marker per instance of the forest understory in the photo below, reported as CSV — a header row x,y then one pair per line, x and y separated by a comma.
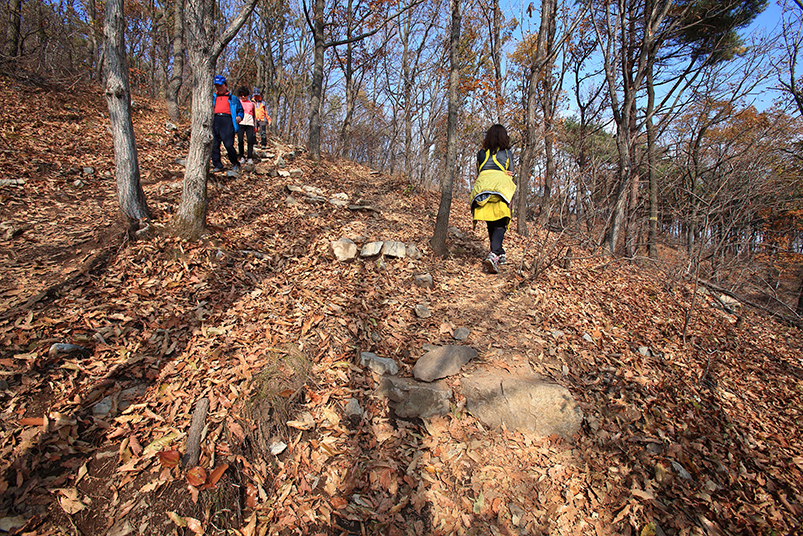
x,y
695,434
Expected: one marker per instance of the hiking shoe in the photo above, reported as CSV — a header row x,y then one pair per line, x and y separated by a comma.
x,y
242,160
250,161
235,169
217,169
492,263
502,259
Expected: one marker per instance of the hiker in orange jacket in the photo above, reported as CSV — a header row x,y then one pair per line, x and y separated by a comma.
x,y
262,118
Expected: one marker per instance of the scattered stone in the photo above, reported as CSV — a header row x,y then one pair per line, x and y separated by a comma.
x,y
589,338
283,173
380,365
342,196
295,173
525,402
338,202
103,408
353,410
395,249
442,362
170,126
461,333
413,252
370,249
12,182
313,190
423,280
414,399
681,470
343,249
643,350
422,311
295,189
280,163
277,447
314,199
557,334
290,200
364,207
88,170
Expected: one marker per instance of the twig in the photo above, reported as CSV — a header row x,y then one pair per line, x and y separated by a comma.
x,y
194,435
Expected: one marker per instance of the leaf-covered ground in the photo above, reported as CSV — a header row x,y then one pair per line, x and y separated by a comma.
x,y
695,438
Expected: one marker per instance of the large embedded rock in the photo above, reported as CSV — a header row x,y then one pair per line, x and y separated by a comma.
x,y
411,399
521,401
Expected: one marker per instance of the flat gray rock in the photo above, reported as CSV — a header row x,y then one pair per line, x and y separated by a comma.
x,y
380,365
442,362
371,249
411,399
521,401
392,248
343,249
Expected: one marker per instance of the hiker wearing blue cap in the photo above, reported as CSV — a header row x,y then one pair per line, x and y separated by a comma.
x,y
228,114
262,118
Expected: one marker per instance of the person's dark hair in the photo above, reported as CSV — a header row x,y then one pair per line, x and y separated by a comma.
x,y
496,139
242,91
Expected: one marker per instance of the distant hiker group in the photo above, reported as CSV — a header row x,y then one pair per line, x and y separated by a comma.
x,y
241,116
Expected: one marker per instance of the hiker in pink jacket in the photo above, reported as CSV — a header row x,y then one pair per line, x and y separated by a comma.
x,y
246,127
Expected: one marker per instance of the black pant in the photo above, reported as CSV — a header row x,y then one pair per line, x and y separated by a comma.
x,y
248,131
496,233
263,133
223,131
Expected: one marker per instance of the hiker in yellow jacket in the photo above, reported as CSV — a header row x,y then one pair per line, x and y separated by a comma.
x,y
493,191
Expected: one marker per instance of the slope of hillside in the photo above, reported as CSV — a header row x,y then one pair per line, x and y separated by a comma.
x,y
257,318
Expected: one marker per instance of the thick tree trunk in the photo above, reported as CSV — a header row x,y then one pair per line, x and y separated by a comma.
x,y
549,171
129,188
176,76
438,241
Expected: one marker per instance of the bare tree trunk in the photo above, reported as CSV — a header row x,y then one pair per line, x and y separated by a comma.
x,y
118,97
651,167
438,241
13,26
177,75
316,89
190,219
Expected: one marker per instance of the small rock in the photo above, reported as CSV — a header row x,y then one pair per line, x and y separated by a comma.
x,y
342,196
283,173
290,200
295,173
280,163
423,280
681,470
170,126
277,447
103,408
313,190
78,183
557,334
443,362
415,399
422,311
371,249
295,189
380,365
338,202
643,350
457,233
353,410
394,249
462,333
343,249
413,252
587,337
89,170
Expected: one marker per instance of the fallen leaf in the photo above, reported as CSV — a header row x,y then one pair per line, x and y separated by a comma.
x,y
196,476
169,458
215,475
